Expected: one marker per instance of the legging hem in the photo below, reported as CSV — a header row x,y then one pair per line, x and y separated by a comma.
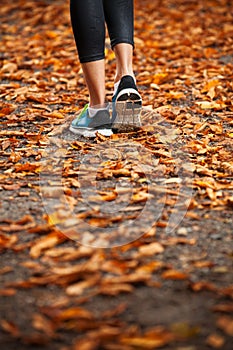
x,y
87,59
121,41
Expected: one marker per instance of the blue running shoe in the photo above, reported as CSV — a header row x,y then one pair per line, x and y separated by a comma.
x,y
127,106
88,126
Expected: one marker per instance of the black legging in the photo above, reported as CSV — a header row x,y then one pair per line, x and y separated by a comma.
x,y
88,19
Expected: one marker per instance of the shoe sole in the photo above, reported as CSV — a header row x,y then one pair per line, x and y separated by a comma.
x,y
87,132
128,111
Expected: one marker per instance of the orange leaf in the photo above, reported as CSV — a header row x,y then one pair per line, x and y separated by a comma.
x,y
215,341
174,275
75,313
115,289
152,339
226,324
150,249
44,243
10,327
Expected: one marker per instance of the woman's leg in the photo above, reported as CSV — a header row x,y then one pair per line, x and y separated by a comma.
x,y
120,22
94,73
88,24
124,60
126,99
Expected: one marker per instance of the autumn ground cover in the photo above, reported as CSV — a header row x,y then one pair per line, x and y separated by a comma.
x,y
156,283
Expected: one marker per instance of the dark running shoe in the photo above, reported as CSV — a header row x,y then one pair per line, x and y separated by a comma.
x,y
127,105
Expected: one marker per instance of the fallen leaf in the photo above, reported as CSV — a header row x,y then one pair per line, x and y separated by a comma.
x,y
228,308
74,313
10,327
150,249
41,323
174,275
46,242
225,323
86,344
215,341
115,289
152,339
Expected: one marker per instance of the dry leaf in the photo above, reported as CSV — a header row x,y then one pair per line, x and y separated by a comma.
x,y
150,249
115,289
174,275
225,323
215,340
152,339
74,313
46,242
10,327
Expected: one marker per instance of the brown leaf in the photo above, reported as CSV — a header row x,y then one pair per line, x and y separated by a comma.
x,y
203,264
74,313
9,67
150,267
8,241
10,327
105,333
79,288
41,323
174,275
11,187
203,285
5,270
6,292
141,197
5,144
115,289
6,109
46,242
150,249
153,339
86,344
228,308
225,323
215,341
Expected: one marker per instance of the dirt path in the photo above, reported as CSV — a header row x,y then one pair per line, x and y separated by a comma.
x,y
160,289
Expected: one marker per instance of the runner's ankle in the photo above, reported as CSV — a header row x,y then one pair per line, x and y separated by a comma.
x,y
94,109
